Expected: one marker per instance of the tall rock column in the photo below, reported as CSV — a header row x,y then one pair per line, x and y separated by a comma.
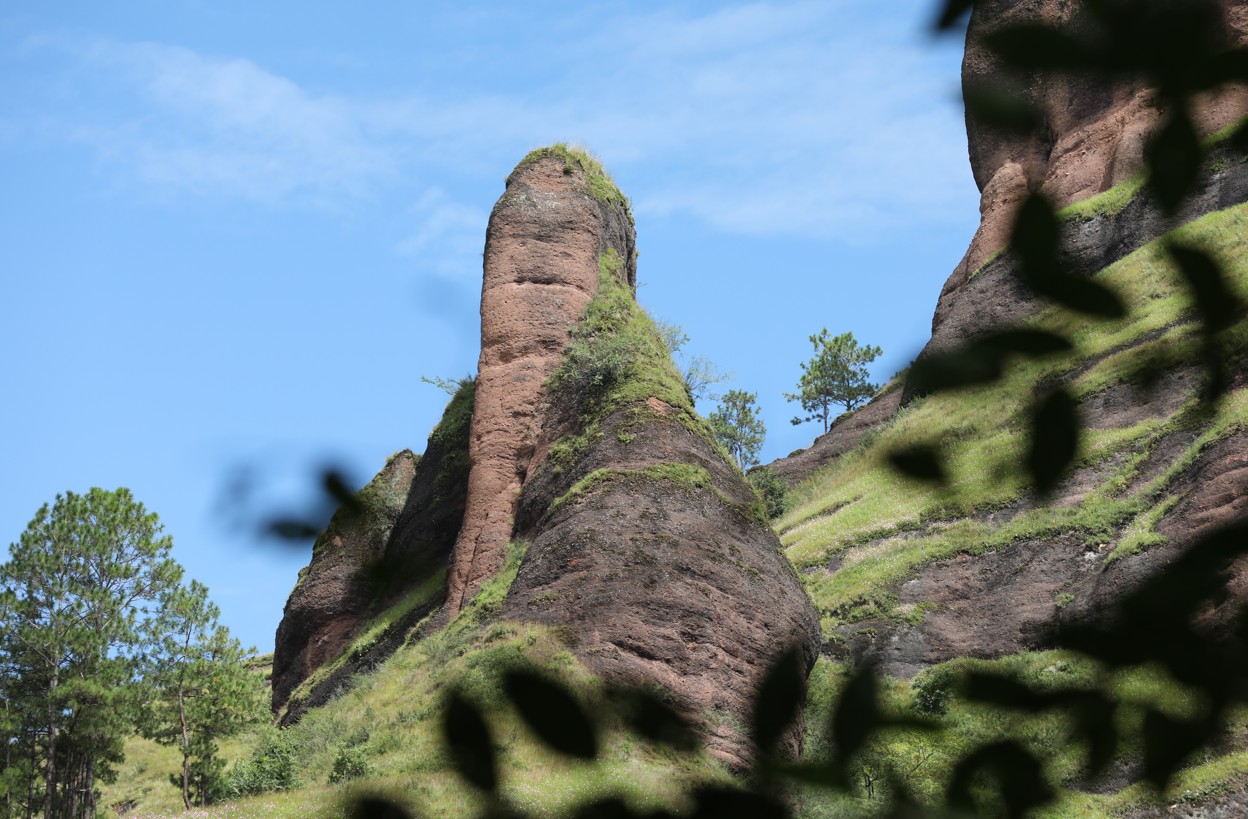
x,y
558,214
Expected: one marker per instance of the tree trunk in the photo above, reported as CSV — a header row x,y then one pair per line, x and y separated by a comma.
x,y
49,772
186,749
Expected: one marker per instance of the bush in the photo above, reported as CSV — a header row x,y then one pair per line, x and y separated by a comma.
x,y
350,763
272,767
592,367
933,689
772,489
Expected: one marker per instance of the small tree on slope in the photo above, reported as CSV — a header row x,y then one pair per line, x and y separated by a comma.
x,y
738,428
837,374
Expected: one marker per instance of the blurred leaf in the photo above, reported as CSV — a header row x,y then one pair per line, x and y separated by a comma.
x,y
1168,743
1094,716
1001,109
1054,440
919,462
291,529
730,803
1217,304
1229,66
856,717
779,697
1036,241
981,361
336,488
1019,776
649,717
967,366
552,713
1004,692
951,12
376,807
1034,46
467,737
1174,155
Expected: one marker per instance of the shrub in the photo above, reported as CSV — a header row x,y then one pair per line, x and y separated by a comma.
x,y
272,767
772,489
350,763
933,689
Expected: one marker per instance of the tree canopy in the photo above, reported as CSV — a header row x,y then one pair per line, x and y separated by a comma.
x,y
836,374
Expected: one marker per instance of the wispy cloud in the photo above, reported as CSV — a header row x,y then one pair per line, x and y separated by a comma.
x,y
807,119
226,126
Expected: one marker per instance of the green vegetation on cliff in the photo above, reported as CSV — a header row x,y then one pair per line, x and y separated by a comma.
x,y
597,180
880,528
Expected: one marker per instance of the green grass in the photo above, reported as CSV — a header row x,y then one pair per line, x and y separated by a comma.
x,y
597,180
616,360
885,526
925,760
393,715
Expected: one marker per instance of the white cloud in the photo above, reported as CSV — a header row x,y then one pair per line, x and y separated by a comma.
x,y
809,119
447,241
225,125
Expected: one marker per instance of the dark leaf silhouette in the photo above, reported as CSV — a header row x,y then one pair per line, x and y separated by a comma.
x,y
951,12
1174,155
1002,109
1004,692
1036,240
731,803
1034,46
467,737
1054,440
1095,723
1167,745
1019,777
553,713
376,807
981,361
856,717
920,462
655,720
1217,304
778,700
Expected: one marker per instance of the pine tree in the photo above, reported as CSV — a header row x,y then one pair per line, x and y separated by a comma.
x,y
837,374
199,688
738,428
73,596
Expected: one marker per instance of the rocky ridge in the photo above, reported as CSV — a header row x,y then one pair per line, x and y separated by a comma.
x,y
646,550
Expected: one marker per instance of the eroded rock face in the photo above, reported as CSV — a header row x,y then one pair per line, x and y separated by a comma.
x,y
542,250
1095,131
333,597
665,572
365,563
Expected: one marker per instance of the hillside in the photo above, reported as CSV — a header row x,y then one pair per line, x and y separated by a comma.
x,y
573,516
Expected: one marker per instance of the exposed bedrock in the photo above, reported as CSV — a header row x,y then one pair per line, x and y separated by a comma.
x,y
1093,138
654,556
331,599
542,247
368,560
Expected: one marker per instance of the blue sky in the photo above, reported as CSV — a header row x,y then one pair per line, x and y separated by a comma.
x,y
234,236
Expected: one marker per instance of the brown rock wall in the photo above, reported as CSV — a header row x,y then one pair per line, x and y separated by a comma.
x,y
542,247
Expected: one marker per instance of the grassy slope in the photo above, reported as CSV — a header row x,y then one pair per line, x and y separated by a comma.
x,y
853,507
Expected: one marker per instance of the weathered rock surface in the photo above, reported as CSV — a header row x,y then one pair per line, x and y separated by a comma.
x,y
542,247
366,562
665,575
333,596
647,551
844,434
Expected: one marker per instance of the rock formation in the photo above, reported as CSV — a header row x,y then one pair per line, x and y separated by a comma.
x,y
988,579
1092,139
388,555
646,550
542,247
